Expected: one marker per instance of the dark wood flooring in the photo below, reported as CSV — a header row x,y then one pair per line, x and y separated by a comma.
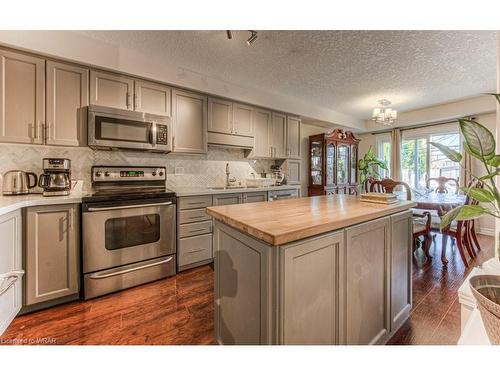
x,y
179,310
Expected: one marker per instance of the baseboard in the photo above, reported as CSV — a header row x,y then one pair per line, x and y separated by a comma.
x,y
486,232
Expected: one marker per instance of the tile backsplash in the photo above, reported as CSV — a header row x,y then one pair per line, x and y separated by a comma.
x,y
192,170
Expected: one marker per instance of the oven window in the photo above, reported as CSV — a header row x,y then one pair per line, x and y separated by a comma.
x,y
122,232
114,129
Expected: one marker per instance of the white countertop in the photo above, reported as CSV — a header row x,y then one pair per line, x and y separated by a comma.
x,y
189,191
9,203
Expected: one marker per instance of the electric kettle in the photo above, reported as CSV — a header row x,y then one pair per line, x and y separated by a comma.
x,y
18,182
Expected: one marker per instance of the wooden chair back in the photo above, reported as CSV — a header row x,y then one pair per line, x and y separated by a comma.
x,y
388,185
442,182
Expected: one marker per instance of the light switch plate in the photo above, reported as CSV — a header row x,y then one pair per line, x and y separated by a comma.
x,y
179,171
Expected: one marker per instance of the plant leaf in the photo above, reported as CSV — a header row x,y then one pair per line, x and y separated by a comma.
x,y
494,161
490,175
448,218
448,152
479,194
479,139
469,151
466,212
497,96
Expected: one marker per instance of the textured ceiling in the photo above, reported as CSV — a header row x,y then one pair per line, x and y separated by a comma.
x,y
347,71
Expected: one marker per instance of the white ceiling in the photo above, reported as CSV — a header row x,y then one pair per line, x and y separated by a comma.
x,y
346,71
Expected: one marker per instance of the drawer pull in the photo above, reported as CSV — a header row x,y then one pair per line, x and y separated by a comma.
x,y
196,217
196,202
197,230
106,275
13,276
196,251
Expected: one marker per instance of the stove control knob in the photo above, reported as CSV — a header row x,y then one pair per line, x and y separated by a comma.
x,y
98,174
161,173
154,174
106,174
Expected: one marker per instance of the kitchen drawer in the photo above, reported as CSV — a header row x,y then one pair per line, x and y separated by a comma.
x,y
258,196
200,201
192,216
195,229
225,199
194,249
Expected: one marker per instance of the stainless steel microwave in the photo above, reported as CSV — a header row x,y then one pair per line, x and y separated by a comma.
x,y
111,128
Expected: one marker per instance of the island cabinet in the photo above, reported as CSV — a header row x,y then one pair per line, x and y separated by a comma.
x,y
348,286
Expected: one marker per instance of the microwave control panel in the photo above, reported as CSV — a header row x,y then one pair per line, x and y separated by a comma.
x,y
162,134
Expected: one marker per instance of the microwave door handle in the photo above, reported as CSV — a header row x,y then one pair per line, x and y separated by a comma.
x,y
153,133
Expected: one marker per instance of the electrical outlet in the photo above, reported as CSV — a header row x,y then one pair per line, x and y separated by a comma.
x,y
179,171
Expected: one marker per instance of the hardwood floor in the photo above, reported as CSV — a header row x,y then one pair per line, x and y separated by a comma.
x,y
435,316
179,310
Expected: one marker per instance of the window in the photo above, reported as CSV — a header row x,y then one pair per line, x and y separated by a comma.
x,y
384,153
420,161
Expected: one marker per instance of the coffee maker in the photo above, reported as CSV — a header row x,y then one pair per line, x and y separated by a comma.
x,y
56,177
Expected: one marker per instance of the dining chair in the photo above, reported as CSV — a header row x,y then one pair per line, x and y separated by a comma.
x,y
462,231
421,220
442,182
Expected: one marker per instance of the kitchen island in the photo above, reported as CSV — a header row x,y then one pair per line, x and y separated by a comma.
x,y
319,270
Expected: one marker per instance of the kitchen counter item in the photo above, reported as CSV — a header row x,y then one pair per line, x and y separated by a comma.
x,y
56,177
284,221
258,182
17,182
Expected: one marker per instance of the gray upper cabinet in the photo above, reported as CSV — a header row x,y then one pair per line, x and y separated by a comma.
x,y
278,136
365,308
152,97
262,128
67,93
189,122
293,175
51,250
220,116
22,98
293,125
111,90
243,120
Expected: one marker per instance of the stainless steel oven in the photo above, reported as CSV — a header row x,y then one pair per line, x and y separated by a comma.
x,y
128,230
110,128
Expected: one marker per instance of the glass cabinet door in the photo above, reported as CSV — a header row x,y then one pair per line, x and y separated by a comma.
x,y
330,164
316,163
354,164
342,165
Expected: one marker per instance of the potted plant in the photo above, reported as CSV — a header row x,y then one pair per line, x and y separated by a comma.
x,y
369,166
480,144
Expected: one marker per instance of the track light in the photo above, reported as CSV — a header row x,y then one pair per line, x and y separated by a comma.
x,y
229,34
252,38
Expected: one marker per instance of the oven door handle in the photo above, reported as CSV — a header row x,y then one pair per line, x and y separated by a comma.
x,y
106,275
97,209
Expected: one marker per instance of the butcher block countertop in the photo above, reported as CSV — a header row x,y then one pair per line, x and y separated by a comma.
x,y
284,221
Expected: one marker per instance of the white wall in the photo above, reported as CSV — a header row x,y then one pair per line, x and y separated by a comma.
x,y
83,49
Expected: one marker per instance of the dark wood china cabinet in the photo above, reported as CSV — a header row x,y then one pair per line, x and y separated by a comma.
x,y
333,163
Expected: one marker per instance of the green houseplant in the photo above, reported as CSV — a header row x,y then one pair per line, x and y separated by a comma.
x,y
480,144
369,166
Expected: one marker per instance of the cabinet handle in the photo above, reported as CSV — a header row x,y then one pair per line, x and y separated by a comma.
x,y
197,230
32,131
195,251
38,131
47,132
173,143
136,101
128,100
13,276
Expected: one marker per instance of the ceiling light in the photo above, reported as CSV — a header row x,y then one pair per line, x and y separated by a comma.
x,y
252,38
383,114
229,34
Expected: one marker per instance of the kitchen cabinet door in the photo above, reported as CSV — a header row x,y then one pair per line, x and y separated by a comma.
x,y
111,90
22,98
365,308
67,93
293,125
11,271
189,122
262,130
401,268
293,177
310,290
243,120
152,97
220,116
258,196
51,252
225,199
278,136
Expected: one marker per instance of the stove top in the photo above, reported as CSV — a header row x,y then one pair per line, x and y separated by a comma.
x,y
117,183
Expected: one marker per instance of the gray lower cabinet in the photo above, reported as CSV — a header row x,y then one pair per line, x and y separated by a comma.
x,y
225,199
351,286
51,249
365,308
258,196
